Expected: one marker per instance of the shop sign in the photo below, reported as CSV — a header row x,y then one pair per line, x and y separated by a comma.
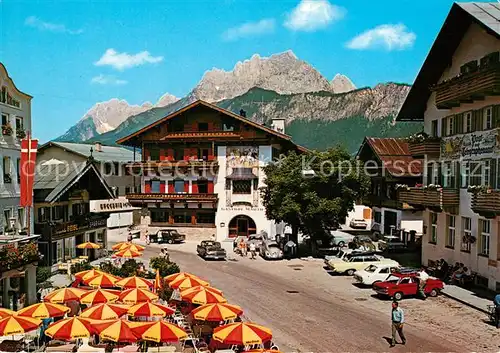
x,y
473,144
243,209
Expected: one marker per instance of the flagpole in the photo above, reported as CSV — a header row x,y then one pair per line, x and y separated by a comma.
x,y
28,207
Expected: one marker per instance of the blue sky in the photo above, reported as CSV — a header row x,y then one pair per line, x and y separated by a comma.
x,y
72,54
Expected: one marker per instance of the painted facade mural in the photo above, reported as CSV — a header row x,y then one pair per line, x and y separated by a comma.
x,y
470,145
242,157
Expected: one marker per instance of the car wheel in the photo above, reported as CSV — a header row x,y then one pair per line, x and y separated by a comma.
x,y
434,292
350,272
341,244
398,296
170,241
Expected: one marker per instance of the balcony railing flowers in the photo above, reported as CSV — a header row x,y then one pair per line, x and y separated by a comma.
x,y
475,189
433,187
420,137
402,187
6,130
12,257
20,133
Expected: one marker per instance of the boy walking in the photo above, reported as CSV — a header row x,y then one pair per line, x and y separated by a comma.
x,y
398,319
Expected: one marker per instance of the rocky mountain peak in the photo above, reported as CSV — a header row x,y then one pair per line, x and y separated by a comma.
x,y
342,84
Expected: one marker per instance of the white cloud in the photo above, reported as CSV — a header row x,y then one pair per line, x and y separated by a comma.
x,y
311,15
35,22
250,29
107,80
122,61
387,36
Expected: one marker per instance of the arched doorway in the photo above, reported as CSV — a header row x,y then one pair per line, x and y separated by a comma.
x,y
241,225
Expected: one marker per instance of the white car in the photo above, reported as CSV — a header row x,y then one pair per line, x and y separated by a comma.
x,y
344,254
375,273
358,224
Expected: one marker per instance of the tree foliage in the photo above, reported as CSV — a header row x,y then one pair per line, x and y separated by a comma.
x,y
313,204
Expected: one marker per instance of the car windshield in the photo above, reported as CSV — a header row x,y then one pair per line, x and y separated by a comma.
x,y
174,232
371,268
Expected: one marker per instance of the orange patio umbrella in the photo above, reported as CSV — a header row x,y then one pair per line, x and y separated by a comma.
x,y
157,283
71,328
187,282
125,245
105,311
242,333
116,331
6,312
88,274
44,310
149,309
88,245
202,295
217,312
99,296
136,295
64,295
162,331
128,253
134,282
179,275
198,288
104,280
14,325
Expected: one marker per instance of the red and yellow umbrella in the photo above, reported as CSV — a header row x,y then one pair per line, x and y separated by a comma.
x,y
88,274
263,350
157,283
203,295
116,331
99,296
6,313
242,333
162,331
64,295
179,275
105,311
88,245
125,245
14,325
149,309
134,282
71,328
136,295
187,282
104,280
44,310
217,312
128,253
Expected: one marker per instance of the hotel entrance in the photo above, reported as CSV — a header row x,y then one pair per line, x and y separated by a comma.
x,y
241,226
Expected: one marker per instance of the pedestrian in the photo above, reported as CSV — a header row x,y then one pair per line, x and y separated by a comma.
x,y
422,281
252,251
496,303
398,319
243,248
290,247
148,241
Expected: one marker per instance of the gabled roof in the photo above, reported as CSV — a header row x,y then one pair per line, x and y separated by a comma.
x,y
198,103
460,17
394,154
4,69
61,176
107,154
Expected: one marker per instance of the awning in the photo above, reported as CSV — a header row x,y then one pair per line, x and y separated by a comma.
x,y
242,174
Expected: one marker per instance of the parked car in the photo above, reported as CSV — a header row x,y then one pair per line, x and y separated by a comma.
x,y
405,285
209,249
355,263
270,250
340,238
363,242
257,239
374,274
344,254
169,236
391,243
358,224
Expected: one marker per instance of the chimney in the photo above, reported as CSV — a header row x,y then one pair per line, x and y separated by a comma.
x,y
243,113
98,147
278,125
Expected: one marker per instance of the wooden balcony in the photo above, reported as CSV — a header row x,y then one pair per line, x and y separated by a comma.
x,y
184,164
434,199
378,201
486,203
430,147
468,88
159,197
201,135
61,230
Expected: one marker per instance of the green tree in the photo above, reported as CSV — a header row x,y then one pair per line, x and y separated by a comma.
x,y
310,203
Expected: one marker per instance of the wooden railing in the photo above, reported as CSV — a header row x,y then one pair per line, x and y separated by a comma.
x,y
486,203
469,87
201,134
171,197
381,201
430,147
195,163
54,228
442,198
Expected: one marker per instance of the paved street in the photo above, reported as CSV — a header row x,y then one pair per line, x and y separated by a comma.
x,y
309,310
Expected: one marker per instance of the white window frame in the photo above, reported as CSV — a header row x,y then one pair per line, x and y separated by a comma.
x,y
488,118
468,122
486,172
7,118
466,232
434,228
484,237
450,232
465,173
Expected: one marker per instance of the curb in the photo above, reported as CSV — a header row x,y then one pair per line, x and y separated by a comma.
x,y
465,303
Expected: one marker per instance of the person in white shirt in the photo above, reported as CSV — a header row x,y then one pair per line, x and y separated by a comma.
x,y
252,251
423,277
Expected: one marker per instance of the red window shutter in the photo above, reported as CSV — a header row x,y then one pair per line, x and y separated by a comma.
x,y
170,153
171,189
146,155
210,187
186,186
186,154
162,155
195,187
211,126
162,187
147,187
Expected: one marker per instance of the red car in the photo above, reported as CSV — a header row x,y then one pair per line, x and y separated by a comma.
x,y
406,285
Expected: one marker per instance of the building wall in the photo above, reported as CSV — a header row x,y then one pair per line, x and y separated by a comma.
x,y
475,44
10,147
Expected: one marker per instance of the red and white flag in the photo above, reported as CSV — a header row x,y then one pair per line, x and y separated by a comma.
x,y
27,170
